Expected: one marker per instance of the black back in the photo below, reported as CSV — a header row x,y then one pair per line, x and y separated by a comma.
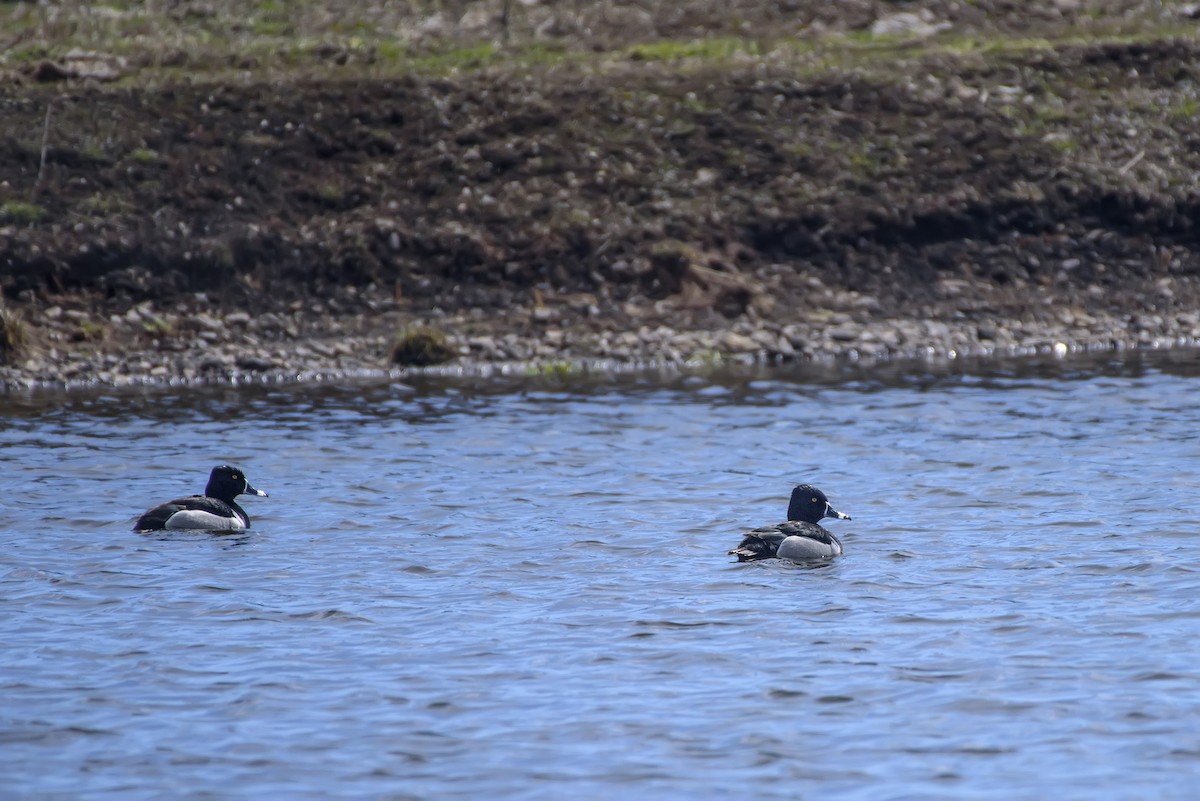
x,y
763,543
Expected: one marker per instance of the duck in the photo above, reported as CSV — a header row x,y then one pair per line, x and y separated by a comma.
x,y
215,510
798,539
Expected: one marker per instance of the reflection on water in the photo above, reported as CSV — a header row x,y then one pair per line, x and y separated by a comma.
x,y
519,588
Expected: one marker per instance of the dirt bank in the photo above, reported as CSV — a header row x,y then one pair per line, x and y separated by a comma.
x,y
953,188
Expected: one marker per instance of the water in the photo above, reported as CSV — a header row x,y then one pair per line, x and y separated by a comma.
x,y
519,589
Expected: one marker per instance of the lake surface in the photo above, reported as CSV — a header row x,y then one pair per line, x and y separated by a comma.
x,y
519,588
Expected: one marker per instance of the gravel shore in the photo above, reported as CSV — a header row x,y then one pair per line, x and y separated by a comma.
x,y
188,343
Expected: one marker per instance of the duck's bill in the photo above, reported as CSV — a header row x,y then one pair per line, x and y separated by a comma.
x,y
252,491
834,513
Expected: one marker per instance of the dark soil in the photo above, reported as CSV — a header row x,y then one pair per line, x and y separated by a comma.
x,y
1024,196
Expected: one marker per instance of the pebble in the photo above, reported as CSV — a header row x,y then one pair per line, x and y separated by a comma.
x,y
738,343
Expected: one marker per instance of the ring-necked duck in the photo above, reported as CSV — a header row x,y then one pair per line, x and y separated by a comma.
x,y
214,510
800,539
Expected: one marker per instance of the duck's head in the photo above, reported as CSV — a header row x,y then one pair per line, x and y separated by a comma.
x,y
810,505
227,482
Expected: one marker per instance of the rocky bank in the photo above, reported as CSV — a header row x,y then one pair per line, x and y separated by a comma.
x,y
842,192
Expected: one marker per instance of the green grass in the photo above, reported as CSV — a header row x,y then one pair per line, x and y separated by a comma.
x,y
459,58
712,49
21,213
555,369
104,204
158,328
221,38
707,360
1062,144
90,331
1184,111
271,27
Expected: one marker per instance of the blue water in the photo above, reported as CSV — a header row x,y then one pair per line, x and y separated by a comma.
x,y
519,588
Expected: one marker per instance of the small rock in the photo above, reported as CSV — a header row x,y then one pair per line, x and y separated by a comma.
x,y
253,363
906,24
485,344
937,329
783,347
738,343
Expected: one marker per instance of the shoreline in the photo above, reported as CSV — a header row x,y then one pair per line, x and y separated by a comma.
x,y
353,349
842,191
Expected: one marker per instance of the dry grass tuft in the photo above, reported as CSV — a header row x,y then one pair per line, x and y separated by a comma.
x,y
422,346
14,335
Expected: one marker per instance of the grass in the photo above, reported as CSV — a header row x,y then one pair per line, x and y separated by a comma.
x,y
14,335
1061,143
439,37
158,328
421,346
1184,111
875,160
716,49
555,369
707,360
90,331
20,213
104,204
142,155
282,40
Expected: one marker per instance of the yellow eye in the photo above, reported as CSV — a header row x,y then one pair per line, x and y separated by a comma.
x,y
815,500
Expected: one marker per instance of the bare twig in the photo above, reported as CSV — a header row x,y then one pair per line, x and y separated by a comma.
x,y
37,185
506,21
1129,165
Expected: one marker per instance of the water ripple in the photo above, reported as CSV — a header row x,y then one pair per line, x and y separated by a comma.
x,y
514,588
